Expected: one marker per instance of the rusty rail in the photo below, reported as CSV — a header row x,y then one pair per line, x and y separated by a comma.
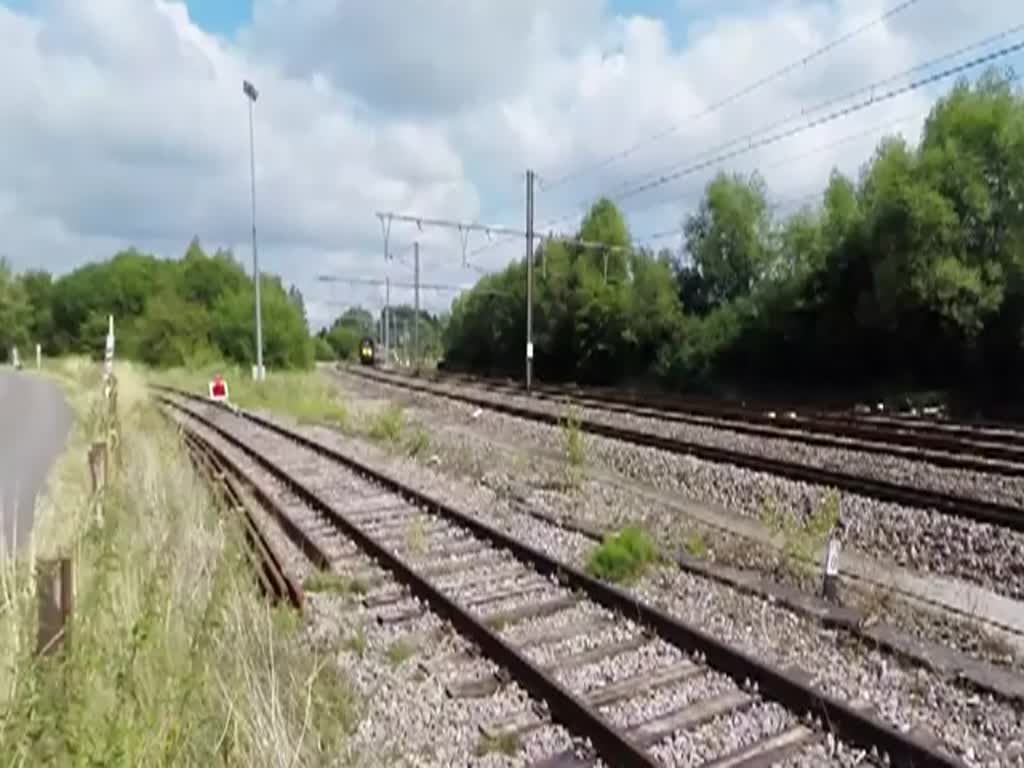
x,y
952,504
790,690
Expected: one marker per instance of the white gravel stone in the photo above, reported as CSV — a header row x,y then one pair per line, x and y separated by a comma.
x,y
920,539
631,712
723,735
976,726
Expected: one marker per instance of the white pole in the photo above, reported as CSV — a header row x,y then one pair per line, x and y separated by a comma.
x,y
39,356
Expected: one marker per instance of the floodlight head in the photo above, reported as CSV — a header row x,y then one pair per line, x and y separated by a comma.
x,y
249,90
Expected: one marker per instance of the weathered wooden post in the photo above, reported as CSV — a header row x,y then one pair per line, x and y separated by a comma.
x,y
55,590
98,465
830,567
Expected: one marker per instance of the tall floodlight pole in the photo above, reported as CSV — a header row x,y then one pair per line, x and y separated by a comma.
x,y
251,95
529,279
416,307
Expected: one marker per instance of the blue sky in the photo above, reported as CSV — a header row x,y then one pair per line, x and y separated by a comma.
x,y
115,89
226,17
221,17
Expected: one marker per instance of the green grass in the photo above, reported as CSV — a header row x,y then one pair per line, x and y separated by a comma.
x,y
387,425
326,582
415,536
574,448
622,557
175,659
356,642
306,396
400,651
505,744
802,539
418,443
696,545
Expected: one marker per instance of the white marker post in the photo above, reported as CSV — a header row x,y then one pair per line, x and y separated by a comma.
x,y
108,357
830,580
39,356
15,360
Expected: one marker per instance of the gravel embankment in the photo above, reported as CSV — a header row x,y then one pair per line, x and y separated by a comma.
x,y
981,730
403,710
918,539
1008,489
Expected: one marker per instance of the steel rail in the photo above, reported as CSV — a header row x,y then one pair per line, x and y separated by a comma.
x,y
946,450
565,707
266,559
980,432
952,504
789,689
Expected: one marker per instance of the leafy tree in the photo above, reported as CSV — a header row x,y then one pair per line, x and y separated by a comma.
x,y
38,287
15,312
727,237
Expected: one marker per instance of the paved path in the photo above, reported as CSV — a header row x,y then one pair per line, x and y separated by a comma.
x,y
34,423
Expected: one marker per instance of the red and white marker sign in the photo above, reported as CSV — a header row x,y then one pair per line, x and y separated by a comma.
x,y
218,389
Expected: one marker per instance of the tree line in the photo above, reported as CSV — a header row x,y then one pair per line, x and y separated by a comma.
x,y
187,312
908,278
168,312
341,339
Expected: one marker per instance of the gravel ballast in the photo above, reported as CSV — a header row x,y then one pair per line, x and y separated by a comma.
x,y
978,726
918,539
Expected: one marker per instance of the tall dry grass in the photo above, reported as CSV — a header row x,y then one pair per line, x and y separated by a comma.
x,y
174,659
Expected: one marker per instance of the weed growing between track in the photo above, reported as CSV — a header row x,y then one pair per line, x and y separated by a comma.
x,y
624,557
306,396
309,398
175,658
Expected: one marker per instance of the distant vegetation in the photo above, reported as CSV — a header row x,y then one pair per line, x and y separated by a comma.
x,y
185,311
342,339
909,277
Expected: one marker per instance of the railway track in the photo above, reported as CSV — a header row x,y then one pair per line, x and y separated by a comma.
x,y
834,420
978,509
541,621
266,562
954,446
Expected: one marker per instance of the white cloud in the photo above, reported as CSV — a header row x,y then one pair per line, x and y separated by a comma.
x,y
122,122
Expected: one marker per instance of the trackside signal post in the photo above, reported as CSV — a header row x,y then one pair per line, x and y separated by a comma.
x,y
218,389
529,279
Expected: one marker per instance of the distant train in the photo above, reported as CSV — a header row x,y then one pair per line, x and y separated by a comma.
x,y
367,352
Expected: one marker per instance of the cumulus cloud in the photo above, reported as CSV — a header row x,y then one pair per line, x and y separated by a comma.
x,y
123,122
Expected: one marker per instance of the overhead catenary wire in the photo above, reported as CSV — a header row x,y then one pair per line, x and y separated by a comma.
x,y
794,157
429,221
651,178
733,97
755,140
787,160
753,143
380,283
746,90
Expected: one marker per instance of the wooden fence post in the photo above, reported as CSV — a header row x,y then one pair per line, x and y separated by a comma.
x,y
98,465
55,590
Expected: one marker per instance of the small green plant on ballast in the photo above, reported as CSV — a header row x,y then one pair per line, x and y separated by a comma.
x,y
623,557
387,425
399,651
325,581
802,539
574,446
505,744
696,545
418,442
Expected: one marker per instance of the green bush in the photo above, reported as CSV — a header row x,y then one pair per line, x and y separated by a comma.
x,y
622,557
